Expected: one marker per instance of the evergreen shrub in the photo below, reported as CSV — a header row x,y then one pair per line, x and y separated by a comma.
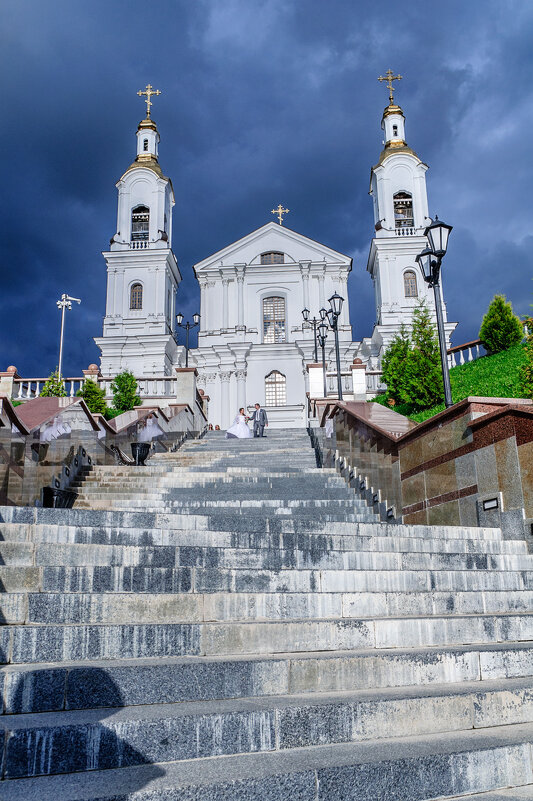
x,y
53,387
501,328
93,396
411,365
124,389
525,372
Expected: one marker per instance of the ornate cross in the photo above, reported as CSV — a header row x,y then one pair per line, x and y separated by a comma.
x,y
390,77
149,92
280,211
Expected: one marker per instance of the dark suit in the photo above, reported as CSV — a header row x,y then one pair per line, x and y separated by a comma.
x,y
260,420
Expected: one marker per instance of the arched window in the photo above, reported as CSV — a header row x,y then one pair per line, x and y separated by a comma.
x,y
136,296
275,389
409,284
273,257
140,224
145,144
273,320
403,210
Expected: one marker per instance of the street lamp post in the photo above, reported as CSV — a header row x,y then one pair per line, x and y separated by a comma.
x,y
187,327
315,321
333,314
322,336
64,303
430,261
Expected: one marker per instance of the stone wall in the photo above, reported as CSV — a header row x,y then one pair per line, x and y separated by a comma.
x,y
469,465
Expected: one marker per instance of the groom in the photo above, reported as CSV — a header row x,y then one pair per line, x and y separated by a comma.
x,y
260,420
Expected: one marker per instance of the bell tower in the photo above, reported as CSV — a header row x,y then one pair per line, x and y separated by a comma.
x,y
398,190
142,270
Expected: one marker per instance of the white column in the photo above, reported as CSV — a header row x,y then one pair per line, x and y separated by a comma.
x,y
241,387
345,317
225,407
204,315
240,297
225,303
304,269
321,293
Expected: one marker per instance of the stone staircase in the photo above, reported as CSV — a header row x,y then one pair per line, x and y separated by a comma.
x,y
230,622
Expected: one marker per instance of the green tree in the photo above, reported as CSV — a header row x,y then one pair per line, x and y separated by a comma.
x,y
124,389
93,396
525,372
393,365
423,368
53,387
501,328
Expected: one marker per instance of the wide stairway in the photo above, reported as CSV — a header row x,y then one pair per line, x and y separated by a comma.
x,y
229,623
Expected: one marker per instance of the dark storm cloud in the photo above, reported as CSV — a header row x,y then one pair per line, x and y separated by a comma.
x,y
263,102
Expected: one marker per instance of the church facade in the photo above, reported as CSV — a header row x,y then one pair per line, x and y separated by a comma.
x,y
253,343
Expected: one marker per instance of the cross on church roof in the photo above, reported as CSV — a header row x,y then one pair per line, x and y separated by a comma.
x,y
390,77
149,92
280,211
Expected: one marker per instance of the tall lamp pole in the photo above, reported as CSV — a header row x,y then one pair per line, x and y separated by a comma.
x,y
187,327
430,261
315,321
64,303
333,314
322,336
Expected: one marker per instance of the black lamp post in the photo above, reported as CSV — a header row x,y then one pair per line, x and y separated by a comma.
x,y
315,321
333,314
322,336
429,262
187,327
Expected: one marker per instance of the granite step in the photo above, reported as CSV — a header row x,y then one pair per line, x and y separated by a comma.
x,y
312,543
426,767
142,579
24,554
31,688
99,627
149,521
19,608
84,740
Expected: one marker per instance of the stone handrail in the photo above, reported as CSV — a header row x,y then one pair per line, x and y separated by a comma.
x,y
467,465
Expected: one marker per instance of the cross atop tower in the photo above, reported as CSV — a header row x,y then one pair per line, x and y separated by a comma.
x,y
149,91
390,77
280,211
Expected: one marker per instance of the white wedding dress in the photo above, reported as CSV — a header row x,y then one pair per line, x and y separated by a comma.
x,y
239,429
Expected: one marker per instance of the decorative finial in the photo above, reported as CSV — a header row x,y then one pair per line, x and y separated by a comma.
x,y
280,211
390,77
148,93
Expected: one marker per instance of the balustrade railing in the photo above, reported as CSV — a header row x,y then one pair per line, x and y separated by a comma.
x,y
139,244
467,352
148,387
406,231
27,388
346,382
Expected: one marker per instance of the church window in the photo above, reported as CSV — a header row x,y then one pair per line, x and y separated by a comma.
x,y
403,210
273,320
395,130
273,257
409,284
140,224
145,144
136,297
275,389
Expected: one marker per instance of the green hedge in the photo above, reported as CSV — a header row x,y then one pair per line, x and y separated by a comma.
x,y
494,376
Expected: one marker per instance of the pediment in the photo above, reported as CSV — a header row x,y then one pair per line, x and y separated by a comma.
x,y
272,237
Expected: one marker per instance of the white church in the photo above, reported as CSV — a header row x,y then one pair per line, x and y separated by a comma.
x,y
253,343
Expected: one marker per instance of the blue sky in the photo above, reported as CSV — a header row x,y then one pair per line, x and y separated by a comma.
x,y
263,102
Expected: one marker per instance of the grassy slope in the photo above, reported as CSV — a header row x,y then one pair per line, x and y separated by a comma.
x,y
490,376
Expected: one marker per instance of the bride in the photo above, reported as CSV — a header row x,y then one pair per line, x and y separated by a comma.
x,y
239,429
